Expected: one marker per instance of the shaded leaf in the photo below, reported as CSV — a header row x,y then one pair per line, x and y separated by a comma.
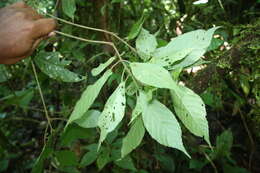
x,y
126,163
224,144
133,138
51,65
72,133
66,158
103,158
90,156
4,74
69,8
190,108
113,112
162,125
96,71
131,89
88,97
46,152
136,28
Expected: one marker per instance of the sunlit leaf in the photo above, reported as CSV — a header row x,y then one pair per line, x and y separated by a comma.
x,y
190,108
145,44
162,125
54,67
133,138
89,119
139,107
88,97
152,74
191,46
190,59
96,71
166,56
113,112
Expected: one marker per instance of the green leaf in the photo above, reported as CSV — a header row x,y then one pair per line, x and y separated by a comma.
x,y
139,107
215,43
117,1
4,74
46,152
72,133
126,163
145,44
190,108
194,43
133,138
88,97
166,56
224,144
233,169
113,112
152,74
51,65
20,98
69,8
162,125
66,158
136,28
190,59
103,158
90,156
131,89
4,165
166,161
102,66
89,119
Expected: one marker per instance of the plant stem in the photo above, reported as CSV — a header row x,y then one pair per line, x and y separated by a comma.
x,y
102,42
83,39
41,95
94,29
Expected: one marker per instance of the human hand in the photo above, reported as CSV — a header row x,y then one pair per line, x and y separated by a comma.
x,y
21,30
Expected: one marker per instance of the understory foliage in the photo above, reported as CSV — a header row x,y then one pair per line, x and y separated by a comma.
x,y
115,99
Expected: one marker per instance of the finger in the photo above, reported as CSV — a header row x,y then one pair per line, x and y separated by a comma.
x,y
32,14
43,27
19,5
35,44
12,61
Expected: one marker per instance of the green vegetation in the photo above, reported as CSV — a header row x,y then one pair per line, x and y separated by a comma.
x,y
136,86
